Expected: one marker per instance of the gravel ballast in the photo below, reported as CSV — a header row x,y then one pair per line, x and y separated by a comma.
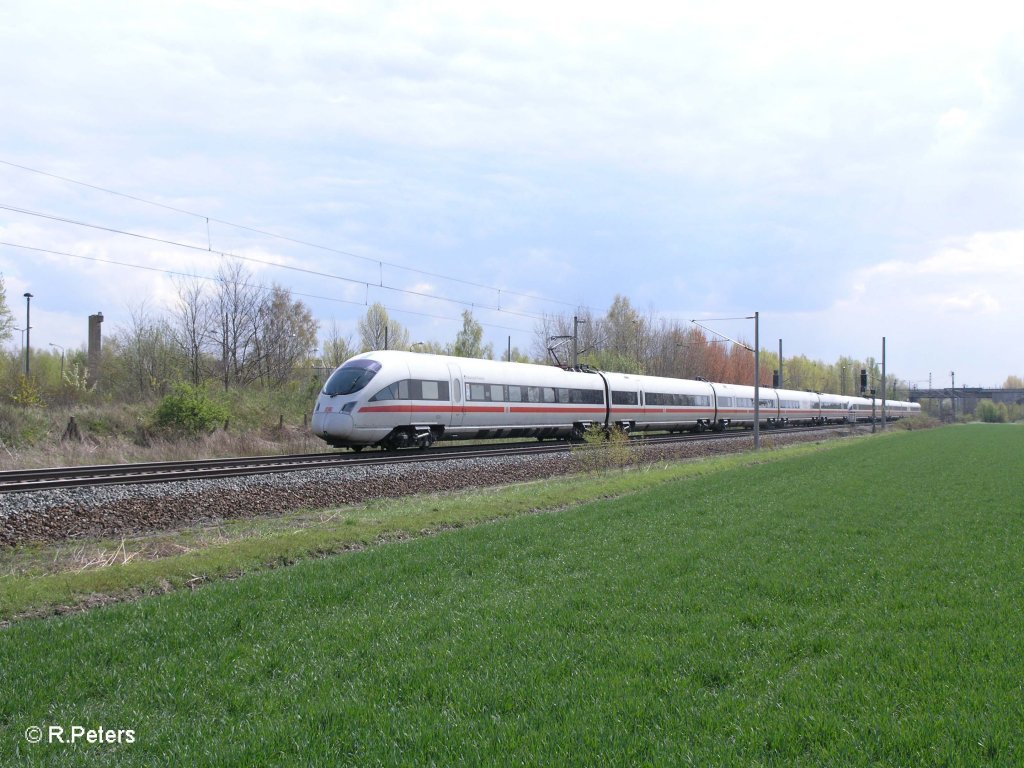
x,y
122,510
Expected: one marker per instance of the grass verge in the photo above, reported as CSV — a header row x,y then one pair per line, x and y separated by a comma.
x,y
856,606
42,579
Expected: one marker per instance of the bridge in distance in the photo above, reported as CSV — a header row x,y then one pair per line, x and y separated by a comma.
x,y
967,398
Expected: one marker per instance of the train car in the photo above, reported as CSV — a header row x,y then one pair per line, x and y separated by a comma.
x,y
835,409
797,408
401,399
859,409
640,403
899,409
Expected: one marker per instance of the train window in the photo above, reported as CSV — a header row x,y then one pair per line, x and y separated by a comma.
x,y
428,390
744,402
476,392
497,393
624,398
384,394
589,396
562,395
413,389
351,377
674,399
534,395
726,402
549,394
515,393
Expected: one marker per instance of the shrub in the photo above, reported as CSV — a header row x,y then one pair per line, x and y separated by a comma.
x,y
603,449
28,393
188,410
993,413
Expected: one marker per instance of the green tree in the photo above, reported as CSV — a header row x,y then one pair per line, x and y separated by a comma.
x,y
518,356
469,341
285,335
624,331
378,331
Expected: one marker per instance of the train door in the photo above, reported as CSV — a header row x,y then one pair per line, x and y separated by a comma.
x,y
458,408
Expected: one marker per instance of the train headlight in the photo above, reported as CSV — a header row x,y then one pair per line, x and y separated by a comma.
x,y
347,407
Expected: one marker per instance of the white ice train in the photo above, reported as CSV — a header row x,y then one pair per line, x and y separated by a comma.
x,y
400,399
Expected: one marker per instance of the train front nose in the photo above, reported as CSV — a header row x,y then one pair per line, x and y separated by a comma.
x,y
332,424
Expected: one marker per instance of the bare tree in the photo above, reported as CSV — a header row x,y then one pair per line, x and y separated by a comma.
x,y
190,322
6,318
551,327
336,348
147,359
234,327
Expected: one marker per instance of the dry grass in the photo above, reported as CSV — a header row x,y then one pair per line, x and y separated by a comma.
x,y
118,449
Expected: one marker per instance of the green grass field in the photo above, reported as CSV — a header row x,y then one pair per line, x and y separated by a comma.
x,y
856,606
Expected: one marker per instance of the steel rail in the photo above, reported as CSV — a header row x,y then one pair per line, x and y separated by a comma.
x,y
24,480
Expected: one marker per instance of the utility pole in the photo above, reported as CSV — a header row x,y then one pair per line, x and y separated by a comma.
x,y
757,380
952,392
883,383
782,378
28,332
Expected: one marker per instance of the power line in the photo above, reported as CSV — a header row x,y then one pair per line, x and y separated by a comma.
x,y
296,241
242,284
253,259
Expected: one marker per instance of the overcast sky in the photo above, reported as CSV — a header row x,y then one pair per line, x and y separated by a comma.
x,y
851,174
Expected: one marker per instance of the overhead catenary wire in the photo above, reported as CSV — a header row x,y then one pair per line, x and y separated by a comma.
x,y
257,286
286,238
264,262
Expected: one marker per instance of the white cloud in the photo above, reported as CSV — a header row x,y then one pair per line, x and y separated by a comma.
x,y
576,150
958,307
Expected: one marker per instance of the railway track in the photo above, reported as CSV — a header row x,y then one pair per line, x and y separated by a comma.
x,y
24,480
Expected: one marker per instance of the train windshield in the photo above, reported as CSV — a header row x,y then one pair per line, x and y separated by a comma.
x,y
351,377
